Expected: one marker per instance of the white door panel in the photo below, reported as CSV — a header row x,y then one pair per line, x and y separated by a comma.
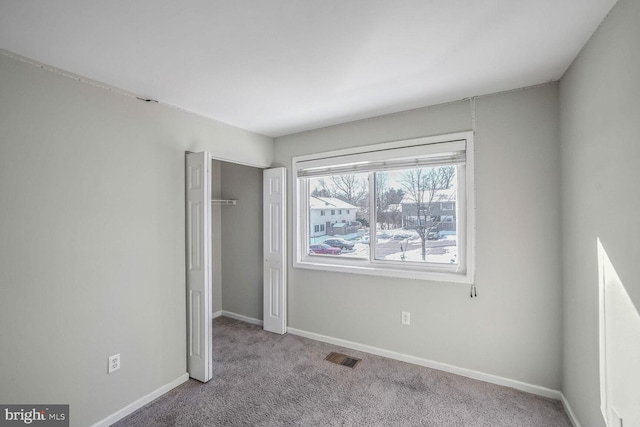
x,y
199,363
274,244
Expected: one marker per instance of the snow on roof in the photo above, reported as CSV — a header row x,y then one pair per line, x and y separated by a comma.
x,y
329,203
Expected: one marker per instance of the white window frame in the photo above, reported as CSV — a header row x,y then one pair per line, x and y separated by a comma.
x,y
463,272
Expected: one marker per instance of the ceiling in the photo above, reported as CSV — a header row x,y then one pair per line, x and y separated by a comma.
x,y
283,66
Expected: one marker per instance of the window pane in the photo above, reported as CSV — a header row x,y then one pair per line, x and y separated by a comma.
x,y
416,215
345,232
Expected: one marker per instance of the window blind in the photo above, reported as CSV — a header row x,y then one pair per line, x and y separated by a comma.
x,y
417,156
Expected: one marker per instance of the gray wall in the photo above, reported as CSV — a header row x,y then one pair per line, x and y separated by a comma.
x,y
513,329
242,240
92,258
600,116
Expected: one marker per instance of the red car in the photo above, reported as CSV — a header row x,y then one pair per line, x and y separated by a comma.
x,y
324,249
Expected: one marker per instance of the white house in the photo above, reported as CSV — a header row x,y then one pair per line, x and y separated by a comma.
x,y
325,212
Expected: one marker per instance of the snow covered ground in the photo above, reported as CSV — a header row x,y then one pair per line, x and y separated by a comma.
x,y
443,250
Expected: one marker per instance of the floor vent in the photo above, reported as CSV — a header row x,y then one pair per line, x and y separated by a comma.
x,y
342,359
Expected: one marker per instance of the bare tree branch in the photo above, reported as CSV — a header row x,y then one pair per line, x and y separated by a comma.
x,y
422,187
350,188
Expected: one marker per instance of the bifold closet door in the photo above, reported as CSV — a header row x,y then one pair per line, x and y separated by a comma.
x,y
199,266
275,255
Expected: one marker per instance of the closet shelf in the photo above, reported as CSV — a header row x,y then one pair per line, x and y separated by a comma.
x,y
224,202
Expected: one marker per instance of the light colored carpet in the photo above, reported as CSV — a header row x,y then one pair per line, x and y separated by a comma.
x,y
263,379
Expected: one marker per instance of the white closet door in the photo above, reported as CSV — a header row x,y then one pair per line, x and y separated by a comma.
x,y
274,242
199,340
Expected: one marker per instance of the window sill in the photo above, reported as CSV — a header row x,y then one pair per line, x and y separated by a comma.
x,y
375,269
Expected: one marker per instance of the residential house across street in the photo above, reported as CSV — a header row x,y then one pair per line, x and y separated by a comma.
x,y
331,216
437,212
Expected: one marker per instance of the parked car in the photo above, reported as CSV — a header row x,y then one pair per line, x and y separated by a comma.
x,y
339,243
433,234
324,249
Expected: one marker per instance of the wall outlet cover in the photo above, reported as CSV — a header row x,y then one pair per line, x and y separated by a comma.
x,y
114,363
406,318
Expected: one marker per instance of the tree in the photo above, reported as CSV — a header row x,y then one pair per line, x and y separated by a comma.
x,y
381,188
385,198
322,191
350,188
422,187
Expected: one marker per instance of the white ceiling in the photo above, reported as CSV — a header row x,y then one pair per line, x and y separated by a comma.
x,y
283,66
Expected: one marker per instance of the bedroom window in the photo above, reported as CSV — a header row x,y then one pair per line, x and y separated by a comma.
x,y
408,204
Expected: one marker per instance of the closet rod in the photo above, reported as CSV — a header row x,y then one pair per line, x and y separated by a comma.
x,y
224,202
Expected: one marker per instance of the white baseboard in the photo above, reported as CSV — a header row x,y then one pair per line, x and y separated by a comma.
x,y
237,316
494,379
117,416
569,411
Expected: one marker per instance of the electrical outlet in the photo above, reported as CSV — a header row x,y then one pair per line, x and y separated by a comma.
x,y
406,318
114,363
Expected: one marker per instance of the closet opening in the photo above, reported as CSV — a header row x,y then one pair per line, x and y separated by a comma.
x,y
235,251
